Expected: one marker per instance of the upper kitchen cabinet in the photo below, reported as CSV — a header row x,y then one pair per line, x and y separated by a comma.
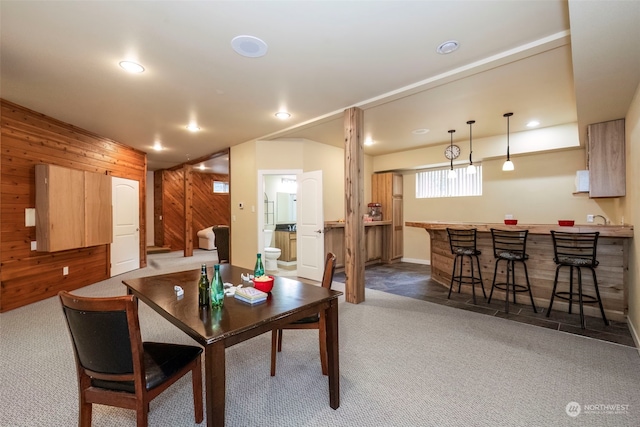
x,y
606,159
73,208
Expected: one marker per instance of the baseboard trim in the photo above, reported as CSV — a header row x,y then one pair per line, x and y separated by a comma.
x,y
416,261
634,334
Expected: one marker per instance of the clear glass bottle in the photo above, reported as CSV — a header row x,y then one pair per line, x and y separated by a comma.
x,y
258,270
203,287
217,288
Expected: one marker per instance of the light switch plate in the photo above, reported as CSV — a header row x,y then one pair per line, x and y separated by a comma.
x,y
508,216
34,245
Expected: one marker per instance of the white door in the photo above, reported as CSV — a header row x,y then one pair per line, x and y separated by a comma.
x,y
125,249
310,225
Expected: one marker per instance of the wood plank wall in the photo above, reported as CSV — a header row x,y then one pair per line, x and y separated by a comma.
x,y
30,138
208,208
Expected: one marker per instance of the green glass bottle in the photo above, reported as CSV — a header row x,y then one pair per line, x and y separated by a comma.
x,y
203,287
217,288
258,270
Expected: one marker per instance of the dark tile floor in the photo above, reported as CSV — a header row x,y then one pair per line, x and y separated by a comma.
x,y
414,280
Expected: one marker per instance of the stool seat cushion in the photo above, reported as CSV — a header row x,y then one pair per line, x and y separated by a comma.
x,y
466,251
576,261
515,256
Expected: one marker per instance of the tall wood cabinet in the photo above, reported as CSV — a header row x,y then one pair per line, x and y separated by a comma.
x,y
386,189
73,208
607,159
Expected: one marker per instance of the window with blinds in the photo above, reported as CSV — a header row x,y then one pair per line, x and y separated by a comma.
x,y
436,183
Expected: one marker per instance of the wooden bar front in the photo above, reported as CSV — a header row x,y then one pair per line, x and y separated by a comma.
x,y
613,255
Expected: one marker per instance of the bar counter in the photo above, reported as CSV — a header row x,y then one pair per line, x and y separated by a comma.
x,y
613,255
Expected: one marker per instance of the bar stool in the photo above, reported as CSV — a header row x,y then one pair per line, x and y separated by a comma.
x,y
576,251
463,244
510,246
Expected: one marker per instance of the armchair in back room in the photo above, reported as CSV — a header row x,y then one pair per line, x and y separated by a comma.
x,y
222,242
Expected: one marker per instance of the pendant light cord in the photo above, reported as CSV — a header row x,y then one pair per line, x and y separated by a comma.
x,y
470,123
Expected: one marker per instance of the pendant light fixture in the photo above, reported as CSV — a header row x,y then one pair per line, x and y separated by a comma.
x,y
471,169
508,165
452,174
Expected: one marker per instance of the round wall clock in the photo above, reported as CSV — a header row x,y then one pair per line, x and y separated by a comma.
x,y
452,152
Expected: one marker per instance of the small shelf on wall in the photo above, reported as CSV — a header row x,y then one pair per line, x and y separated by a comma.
x,y
269,211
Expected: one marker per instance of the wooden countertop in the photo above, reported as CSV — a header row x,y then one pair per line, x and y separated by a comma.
x,y
338,224
605,230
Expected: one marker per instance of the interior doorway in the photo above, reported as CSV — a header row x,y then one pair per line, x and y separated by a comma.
x,y
125,249
277,210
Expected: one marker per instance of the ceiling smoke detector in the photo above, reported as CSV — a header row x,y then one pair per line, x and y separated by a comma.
x,y
448,47
249,46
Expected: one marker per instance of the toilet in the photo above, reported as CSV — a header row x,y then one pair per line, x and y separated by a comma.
x,y
271,254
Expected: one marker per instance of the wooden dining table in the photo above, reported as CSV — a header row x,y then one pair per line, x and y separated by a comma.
x,y
237,321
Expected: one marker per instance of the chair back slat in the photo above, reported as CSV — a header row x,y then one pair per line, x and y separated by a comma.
x,y
513,242
462,239
578,249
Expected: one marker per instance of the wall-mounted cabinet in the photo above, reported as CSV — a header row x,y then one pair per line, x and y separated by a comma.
x,y
607,172
73,208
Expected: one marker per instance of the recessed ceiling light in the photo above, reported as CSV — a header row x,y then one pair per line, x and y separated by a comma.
x,y
201,167
249,46
192,127
533,123
283,115
448,47
420,131
157,146
368,141
131,67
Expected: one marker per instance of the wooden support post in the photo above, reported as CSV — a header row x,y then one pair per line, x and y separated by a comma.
x,y
354,248
188,211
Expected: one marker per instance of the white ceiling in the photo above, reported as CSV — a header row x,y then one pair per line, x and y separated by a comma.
x,y
552,60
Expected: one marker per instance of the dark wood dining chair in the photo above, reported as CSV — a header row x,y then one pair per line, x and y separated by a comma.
x,y
317,321
114,367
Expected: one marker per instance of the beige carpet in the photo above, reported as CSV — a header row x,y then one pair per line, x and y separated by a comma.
x,y
404,362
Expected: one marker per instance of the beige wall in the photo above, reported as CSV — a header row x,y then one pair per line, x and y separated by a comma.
x,y
245,161
630,208
243,187
539,191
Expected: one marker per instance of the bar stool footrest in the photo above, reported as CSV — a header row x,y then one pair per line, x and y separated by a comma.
x,y
512,287
467,280
575,297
